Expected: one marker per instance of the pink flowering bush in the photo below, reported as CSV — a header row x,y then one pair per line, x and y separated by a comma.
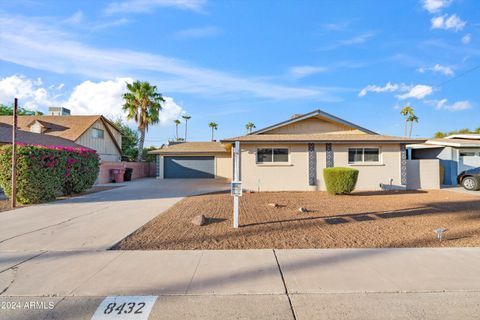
x,y
44,171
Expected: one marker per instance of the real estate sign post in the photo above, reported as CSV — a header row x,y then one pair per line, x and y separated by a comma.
x,y
236,184
14,155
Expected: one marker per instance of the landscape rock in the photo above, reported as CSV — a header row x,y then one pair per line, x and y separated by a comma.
x,y
302,209
199,220
275,205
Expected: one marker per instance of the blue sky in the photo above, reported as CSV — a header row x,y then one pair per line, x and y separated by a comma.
x,y
238,61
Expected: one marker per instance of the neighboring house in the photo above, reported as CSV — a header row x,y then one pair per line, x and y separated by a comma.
x,y
291,155
33,138
94,132
456,153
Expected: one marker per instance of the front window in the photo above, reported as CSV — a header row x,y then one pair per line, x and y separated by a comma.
x,y
97,133
361,155
270,155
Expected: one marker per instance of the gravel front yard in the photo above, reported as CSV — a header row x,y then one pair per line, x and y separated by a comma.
x,y
360,220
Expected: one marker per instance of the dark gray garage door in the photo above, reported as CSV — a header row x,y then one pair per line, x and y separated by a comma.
x,y
189,167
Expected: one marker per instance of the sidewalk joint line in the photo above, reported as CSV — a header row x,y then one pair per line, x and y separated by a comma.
x,y
194,272
284,285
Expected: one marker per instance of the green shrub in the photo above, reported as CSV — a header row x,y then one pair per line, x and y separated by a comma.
x,y
44,171
340,180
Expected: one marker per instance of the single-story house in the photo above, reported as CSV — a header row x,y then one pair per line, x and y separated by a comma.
x,y
292,154
26,137
95,132
456,153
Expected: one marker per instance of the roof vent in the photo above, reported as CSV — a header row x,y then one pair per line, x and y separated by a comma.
x,y
296,115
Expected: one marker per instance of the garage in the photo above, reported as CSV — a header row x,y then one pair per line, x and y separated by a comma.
x,y
189,167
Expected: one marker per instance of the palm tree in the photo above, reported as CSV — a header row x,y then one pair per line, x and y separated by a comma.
x,y
407,111
250,126
177,123
143,104
186,120
439,134
412,118
214,127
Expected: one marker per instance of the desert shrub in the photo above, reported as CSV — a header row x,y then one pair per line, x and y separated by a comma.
x,y
340,180
44,171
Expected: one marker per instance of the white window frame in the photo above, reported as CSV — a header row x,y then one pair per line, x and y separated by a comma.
x,y
363,162
97,137
273,162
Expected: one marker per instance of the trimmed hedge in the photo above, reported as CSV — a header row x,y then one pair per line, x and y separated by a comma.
x,y
340,180
44,171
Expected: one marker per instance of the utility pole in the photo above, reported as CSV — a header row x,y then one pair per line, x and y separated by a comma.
x,y
14,155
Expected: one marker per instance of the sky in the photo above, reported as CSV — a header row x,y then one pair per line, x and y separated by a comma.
x,y
233,62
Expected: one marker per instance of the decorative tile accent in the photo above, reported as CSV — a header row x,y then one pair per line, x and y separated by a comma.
x,y
312,165
157,165
403,164
329,155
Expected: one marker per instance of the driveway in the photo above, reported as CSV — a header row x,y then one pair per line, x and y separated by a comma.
x,y
95,221
462,190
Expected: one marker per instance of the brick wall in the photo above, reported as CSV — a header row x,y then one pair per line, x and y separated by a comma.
x,y
140,170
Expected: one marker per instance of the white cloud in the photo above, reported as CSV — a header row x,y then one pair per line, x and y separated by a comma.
x,y
457,106
105,97
37,45
76,18
466,39
147,6
419,91
29,92
433,6
448,22
356,40
203,32
304,71
438,68
388,87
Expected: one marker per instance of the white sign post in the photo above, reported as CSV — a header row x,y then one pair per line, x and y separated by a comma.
x,y
236,184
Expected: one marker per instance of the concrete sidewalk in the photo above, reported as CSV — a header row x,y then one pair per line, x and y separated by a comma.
x,y
324,284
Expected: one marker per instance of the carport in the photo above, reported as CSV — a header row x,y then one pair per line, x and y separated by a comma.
x,y
194,160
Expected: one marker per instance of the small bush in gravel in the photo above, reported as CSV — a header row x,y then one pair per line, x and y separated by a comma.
x,y
340,180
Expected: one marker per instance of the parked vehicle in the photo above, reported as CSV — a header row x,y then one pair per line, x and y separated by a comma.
x,y
470,179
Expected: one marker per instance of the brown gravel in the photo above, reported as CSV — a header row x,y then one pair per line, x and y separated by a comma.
x,y
360,220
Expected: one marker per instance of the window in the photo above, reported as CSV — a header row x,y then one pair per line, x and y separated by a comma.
x,y
269,155
467,154
97,133
360,155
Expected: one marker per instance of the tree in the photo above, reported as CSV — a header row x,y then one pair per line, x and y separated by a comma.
x,y
177,123
412,118
214,127
477,130
143,104
186,121
250,126
439,134
407,111
129,140
8,111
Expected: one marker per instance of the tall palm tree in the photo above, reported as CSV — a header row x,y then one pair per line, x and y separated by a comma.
x,y
143,104
186,121
177,123
407,111
214,127
412,118
250,126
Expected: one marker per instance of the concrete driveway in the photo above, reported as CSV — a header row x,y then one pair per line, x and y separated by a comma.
x,y
95,221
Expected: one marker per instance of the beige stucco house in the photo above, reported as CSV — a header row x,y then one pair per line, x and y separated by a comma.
x,y
94,132
291,155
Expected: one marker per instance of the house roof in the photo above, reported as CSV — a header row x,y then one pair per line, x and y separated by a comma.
x,y
67,127
193,147
315,113
322,137
459,143
33,138
469,136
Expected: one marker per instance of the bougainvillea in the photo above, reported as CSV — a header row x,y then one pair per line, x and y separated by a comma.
x,y
44,171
